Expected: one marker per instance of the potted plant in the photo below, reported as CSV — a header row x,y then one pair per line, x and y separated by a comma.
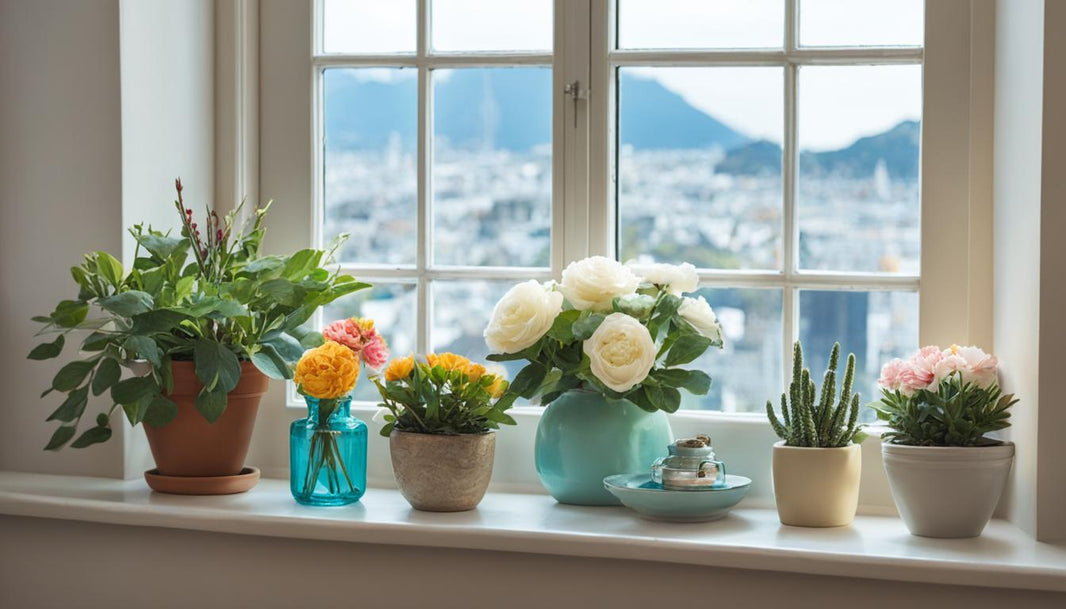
x,y
201,320
817,463
946,475
605,349
439,417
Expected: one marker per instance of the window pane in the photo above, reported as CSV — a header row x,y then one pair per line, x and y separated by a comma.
x,y
369,26
687,24
371,181
461,310
875,326
492,25
492,166
747,371
858,204
392,306
862,22
699,166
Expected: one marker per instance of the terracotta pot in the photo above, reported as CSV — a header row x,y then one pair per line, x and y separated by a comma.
x,y
947,491
439,473
817,487
189,445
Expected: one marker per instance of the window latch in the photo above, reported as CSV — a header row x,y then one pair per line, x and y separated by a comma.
x,y
576,94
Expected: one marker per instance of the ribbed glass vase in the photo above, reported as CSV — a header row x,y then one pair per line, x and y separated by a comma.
x,y
327,454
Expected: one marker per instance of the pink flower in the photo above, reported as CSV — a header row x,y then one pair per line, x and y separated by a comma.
x,y
890,374
346,332
376,353
981,368
359,335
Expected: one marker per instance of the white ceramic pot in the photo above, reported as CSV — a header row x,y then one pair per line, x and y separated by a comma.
x,y
817,487
947,491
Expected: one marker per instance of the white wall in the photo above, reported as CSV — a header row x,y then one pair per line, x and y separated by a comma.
x,y
168,110
61,196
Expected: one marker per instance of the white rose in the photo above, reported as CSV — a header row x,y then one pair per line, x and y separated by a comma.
x,y
676,279
592,283
697,312
524,314
621,352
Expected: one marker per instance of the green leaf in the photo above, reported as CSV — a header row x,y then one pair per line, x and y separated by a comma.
x,y
586,324
286,346
696,382
72,375
671,399
61,436
211,404
133,390
561,329
686,349
70,313
110,269
158,321
135,411
301,263
48,350
72,407
270,363
280,290
98,341
143,347
640,398
128,304
216,366
159,245
161,410
94,435
528,380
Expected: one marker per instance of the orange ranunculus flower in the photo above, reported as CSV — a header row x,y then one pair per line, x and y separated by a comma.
x,y
498,386
448,361
327,372
400,368
473,371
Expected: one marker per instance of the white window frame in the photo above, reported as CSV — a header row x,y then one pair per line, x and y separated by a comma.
x,y
956,207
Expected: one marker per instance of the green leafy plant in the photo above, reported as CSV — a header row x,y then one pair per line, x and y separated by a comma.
x,y
448,394
955,413
227,305
810,420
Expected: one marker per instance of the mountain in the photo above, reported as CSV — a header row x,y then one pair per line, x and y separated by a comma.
x,y
897,147
504,108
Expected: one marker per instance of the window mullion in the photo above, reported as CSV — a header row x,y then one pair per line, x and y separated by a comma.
x,y
572,220
789,166
424,151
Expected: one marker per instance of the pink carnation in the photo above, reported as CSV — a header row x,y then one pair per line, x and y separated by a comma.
x,y
359,335
890,374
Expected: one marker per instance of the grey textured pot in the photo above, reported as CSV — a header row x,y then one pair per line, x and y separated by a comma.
x,y
947,491
439,473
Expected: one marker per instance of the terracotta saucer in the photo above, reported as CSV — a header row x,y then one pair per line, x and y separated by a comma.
x,y
203,485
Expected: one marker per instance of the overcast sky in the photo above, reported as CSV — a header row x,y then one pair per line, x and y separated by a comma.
x,y
836,104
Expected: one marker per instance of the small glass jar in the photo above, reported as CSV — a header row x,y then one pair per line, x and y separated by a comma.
x,y
688,468
327,454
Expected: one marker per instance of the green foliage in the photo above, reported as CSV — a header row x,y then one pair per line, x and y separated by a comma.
x,y
213,300
811,420
439,400
956,414
558,364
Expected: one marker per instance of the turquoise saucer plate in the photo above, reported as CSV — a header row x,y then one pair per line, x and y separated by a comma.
x,y
652,501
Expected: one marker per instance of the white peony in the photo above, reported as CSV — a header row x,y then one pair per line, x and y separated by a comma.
x,y
593,283
676,279
981,368
621,352
697,312
524,314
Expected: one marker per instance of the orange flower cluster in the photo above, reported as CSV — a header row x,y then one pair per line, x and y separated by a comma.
x,y
327,372
399,369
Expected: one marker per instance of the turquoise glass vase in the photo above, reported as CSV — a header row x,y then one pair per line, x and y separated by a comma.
x,y
327,454
583,437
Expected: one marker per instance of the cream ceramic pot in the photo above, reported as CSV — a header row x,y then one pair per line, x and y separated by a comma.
x,y
947,491
816,487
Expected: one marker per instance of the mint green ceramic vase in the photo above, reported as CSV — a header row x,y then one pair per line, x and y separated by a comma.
x,y
583,437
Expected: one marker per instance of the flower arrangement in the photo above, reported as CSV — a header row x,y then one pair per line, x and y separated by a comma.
x,y
227,305
813,421
445,394
328,373
622,330
947,397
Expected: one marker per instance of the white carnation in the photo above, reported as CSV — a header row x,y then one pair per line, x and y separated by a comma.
x,y
524,314
676,279
697,312
593,283
621,352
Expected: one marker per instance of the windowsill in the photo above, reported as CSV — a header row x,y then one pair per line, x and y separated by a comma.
x,y
873,547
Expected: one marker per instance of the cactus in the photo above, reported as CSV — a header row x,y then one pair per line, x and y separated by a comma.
x,y
812,421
